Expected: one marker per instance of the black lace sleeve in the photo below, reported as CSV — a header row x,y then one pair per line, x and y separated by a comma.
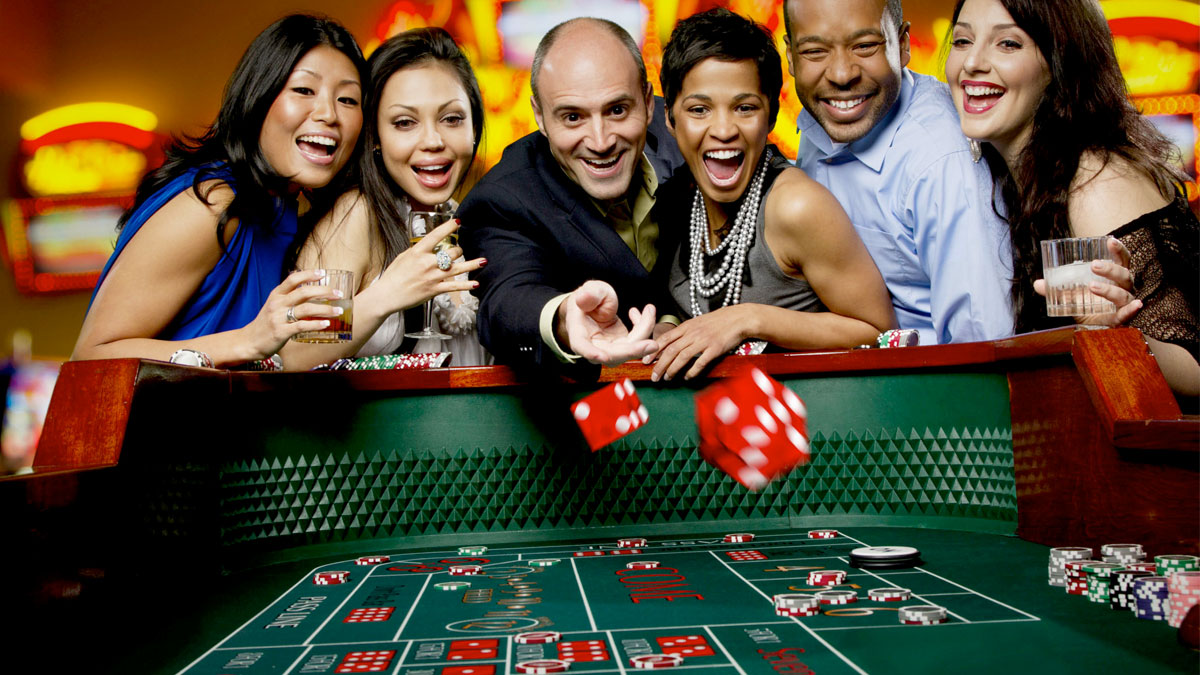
x,y
1164,250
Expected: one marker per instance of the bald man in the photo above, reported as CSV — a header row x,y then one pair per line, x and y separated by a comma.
x,y
566,220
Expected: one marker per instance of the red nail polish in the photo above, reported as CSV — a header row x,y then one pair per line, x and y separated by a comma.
x,y
483,263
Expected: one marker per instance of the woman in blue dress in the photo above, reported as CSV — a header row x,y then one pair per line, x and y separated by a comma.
x,y
198,262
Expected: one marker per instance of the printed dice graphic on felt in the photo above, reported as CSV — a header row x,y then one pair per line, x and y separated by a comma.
x,y
609,414
685,645
752,428
482,669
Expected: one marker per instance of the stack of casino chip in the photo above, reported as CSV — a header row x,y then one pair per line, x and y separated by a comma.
x,y
1059,556
472,550
841,597
465,570
331,578
738,538
923,615
543,666
1077,582
826,577
797,604
632,542
1183,590
544,562
1168,565
642,565
1099,576
1125,554
822,534
1150,598
656,661
1121,587
372,560
889,594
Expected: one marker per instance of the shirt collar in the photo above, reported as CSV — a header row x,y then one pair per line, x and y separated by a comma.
x,y
870,149
647,182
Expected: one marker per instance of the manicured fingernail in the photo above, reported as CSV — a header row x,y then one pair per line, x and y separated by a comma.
x,y
337,311
338,294
654,377
667,377
324,324
320,273
483,262
474,284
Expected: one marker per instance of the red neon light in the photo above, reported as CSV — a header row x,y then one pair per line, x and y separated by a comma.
x,y
1181,32
90,131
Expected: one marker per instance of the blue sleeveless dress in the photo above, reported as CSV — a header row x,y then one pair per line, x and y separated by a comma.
x,y
237,286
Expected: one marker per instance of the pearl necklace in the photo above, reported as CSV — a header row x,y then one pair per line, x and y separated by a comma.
x,y
736,244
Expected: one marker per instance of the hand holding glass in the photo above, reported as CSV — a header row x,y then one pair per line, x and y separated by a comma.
x,y
1067,270
341,328
421,223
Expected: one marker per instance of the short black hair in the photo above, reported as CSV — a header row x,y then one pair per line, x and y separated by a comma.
x,y
720,34
894,10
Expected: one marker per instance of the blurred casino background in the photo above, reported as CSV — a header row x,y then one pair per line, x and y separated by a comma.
x,y
89,89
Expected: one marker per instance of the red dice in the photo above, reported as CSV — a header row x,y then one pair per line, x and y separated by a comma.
x,y
609,414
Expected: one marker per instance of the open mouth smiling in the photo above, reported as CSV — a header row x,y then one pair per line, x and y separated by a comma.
x,y
317,148
724,167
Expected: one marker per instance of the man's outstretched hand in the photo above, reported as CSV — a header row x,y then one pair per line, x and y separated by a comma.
x,y
589,326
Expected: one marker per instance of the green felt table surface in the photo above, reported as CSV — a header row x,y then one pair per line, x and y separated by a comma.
x,y
1004,616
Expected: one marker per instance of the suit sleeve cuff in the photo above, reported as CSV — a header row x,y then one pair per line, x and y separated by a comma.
x,y
546,327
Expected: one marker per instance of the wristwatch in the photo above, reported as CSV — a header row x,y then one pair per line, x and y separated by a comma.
x,y
191,357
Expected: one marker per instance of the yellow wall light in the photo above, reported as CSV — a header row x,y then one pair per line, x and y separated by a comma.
x,y
80,113
1179,10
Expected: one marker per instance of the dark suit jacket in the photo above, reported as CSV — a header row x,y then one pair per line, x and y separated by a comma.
x,y
542,237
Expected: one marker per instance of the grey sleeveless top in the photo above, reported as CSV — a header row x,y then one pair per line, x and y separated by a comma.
x,y
763,282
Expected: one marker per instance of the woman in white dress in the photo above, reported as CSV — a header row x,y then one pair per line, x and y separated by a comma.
x,y
422,127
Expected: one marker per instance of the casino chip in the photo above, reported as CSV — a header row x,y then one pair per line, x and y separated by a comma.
x,y
472,550
837,597
465,570
633,542
656,661
540,637
822,534
372,560
826,577
642,565
544,562
885,557
738,538
923,615
889,594
331,578
543,666
451,585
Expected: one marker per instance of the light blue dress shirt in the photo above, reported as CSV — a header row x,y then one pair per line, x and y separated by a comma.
x,y
924,211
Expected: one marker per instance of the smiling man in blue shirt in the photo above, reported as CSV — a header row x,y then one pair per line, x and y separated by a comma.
x,y
887,143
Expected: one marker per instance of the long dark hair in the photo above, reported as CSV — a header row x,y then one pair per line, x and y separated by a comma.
x,y
232,142
384,196
1085,109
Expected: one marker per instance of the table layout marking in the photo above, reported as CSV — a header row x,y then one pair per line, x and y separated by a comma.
x,y
613,641
724,651
299,658
337,610
412,608
403,656
918,596
583,595
1007,606
794,619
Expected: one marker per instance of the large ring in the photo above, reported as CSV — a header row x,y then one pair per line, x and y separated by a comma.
x,y
443,260
291,315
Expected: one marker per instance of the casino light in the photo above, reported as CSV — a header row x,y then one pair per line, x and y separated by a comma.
x,y
1180,10
81,113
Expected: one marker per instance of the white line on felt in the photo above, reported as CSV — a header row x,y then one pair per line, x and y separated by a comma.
x,y
403,655
915,595
616,650
933,574
939,625
413,607
583,595
971,590
799,623
358,587
724,651
298,659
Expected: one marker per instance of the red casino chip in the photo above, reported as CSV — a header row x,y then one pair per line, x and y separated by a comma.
x,y
738,538
822,534
837,597
540,637
797,611
642,565
826,577
543,666
330,578
465,570
372,560
633,542
656,661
